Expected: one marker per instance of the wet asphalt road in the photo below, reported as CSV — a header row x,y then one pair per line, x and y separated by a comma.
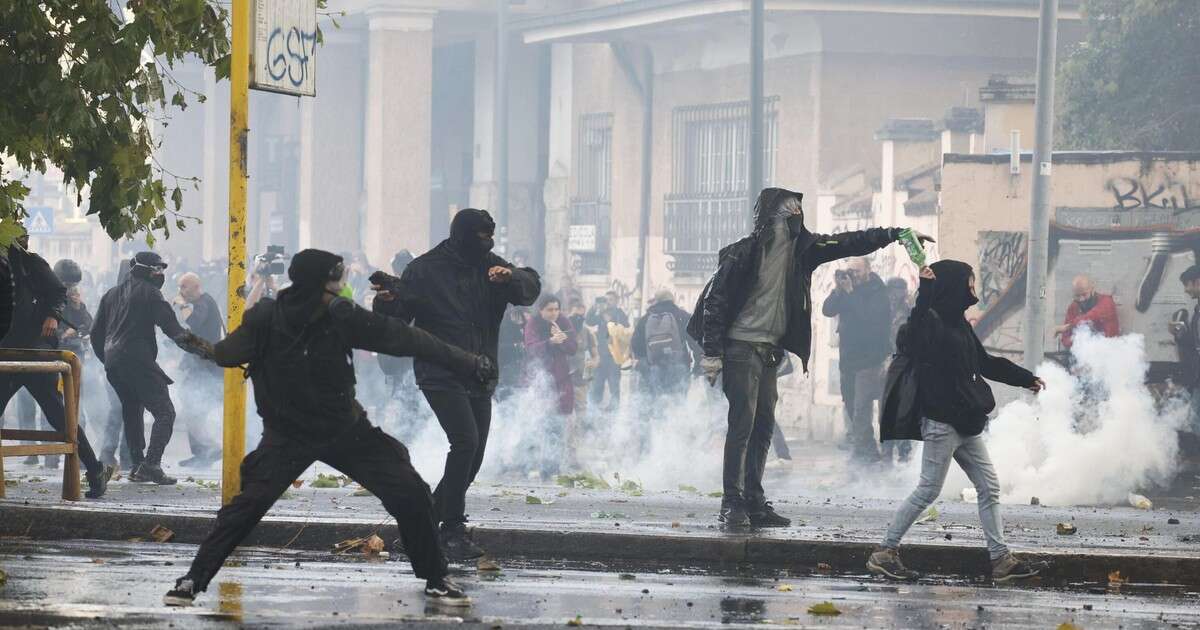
x,y
97,584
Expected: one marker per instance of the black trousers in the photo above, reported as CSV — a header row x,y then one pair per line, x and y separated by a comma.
x,y
44,389
367,455
749,379
140,391
466,421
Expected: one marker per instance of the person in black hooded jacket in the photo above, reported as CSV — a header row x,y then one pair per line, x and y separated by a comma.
x,y
298,350
123,339
757,306
458,291
954,401
38,302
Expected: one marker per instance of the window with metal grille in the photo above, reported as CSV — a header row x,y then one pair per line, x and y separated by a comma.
x,y
709,204
591,208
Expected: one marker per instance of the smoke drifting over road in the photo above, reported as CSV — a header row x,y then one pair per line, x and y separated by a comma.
x,y
1091,437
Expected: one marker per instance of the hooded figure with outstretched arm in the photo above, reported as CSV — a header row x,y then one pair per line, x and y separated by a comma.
x,y
299,352
954,398
756,307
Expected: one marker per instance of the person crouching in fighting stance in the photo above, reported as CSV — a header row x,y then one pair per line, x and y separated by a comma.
x,y
299,351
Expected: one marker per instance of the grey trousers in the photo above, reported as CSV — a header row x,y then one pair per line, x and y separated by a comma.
x,y
860,390
943,443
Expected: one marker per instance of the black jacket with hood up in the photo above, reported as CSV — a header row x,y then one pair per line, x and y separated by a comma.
x,y
864,324
738,265
446,292
952,364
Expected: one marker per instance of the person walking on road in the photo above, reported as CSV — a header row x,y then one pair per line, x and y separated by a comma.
x,y
299,354
954,400
756,307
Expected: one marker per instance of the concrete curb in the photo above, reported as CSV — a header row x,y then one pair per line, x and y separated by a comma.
x,y
1094,566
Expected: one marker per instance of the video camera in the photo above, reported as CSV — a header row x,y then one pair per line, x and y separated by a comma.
x,y
272,263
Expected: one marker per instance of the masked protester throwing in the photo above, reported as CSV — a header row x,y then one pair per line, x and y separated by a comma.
x,y
299,354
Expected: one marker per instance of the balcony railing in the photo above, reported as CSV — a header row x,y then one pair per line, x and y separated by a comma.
x,y
698,226
595,260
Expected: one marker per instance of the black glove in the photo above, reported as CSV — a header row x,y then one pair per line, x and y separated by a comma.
x,y
485,369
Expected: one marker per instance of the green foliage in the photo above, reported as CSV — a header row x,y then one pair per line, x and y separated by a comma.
x,y
82,88
1134,83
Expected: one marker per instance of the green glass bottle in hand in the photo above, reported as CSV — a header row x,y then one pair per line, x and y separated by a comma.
x,y
916,251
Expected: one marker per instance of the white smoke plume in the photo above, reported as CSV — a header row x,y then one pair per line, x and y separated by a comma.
x,y
1091,437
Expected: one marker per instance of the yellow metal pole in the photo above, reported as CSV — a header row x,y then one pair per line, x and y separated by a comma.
x,y
235,386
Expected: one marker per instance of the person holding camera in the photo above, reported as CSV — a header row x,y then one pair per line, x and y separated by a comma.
x,y
863,309
458,291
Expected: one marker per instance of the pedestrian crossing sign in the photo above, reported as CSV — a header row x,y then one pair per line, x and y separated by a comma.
x,y
40,220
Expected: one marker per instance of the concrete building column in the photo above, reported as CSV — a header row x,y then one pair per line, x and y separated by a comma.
x,y
557,190
524,187
397,134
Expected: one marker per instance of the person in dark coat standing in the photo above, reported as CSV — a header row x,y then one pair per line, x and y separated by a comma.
x,y
123,339
756,307
299,353
202,379
954,401
1186,330
458,291
864,313
39,300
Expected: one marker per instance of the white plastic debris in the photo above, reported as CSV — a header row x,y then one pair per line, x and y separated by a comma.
x,y
970,495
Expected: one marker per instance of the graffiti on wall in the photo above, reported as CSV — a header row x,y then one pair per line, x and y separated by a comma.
x,y
1162,193
1002,257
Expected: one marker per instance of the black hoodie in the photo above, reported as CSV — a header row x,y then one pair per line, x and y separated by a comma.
x,y
952,363
738,266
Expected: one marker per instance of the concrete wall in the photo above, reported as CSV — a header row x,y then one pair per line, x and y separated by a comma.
x,y
985,214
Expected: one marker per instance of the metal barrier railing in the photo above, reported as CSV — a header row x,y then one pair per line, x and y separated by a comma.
x,y
19,361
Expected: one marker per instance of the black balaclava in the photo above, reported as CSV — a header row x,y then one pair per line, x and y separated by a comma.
x,y
149,266
951,294
309,271
464,233
769,208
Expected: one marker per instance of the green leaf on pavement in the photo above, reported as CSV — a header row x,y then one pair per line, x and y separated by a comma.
x,y
532,500
824,608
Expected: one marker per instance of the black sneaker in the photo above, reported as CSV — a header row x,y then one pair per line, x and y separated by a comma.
x,y
1011,568
458,546
733,516
886,562
183,594
151,473
765,516
98,482
443,591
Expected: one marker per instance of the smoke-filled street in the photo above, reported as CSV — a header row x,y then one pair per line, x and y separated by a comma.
x,y
565,313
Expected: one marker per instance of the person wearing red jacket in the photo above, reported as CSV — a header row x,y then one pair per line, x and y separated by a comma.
x,y
1091,308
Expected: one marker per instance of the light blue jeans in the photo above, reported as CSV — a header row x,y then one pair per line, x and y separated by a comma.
x,y
941,444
